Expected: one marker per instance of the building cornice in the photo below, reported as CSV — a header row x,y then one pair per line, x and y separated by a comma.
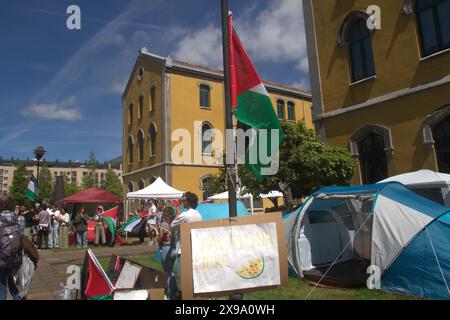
x,y
384,98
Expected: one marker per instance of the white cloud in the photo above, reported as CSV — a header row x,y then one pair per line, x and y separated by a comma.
x,y
203,46
274,34
64,110
118,86
303,65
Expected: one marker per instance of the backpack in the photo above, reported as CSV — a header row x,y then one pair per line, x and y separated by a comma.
x,y
10,244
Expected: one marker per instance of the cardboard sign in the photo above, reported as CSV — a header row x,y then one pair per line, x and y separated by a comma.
x,y
238,255
128,276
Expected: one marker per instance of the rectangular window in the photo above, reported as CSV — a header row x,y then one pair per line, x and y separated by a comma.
x,y
291,111
280,109
443,9
205,96
430,43
152,98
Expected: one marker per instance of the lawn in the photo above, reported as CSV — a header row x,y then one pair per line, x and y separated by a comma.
x,y
296,289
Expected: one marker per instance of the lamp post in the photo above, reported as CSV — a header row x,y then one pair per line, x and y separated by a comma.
x,y
39,153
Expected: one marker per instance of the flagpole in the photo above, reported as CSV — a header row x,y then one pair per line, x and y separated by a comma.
x,y
230,168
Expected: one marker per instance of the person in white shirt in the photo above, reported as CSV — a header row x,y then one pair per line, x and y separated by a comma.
x,y
53,237
190,202
63,219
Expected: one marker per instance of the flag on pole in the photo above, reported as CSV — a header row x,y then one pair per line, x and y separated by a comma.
x,y
135,224
96,284
250,102
110,220
31,189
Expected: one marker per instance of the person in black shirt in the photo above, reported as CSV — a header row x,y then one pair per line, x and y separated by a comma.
x,y
29,222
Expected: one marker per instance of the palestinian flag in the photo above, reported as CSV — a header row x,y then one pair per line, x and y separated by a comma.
x,y
95,284
110,222
135,224
251,104
31,189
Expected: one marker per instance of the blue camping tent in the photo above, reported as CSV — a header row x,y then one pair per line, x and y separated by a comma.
x,y
212,211
340,231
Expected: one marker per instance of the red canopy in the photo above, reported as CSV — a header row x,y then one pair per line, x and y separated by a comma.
x,y
92,195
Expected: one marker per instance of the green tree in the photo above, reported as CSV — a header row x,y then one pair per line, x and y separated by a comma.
x,y
306,165
112,183
19,184
70,188
45,183
90,180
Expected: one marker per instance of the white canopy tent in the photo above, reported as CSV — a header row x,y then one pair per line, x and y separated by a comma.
x,y
157,190
224,196
428,183
271,194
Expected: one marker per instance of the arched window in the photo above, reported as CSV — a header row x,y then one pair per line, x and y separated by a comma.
x,y
373,159
141,184
152,179
205,99
130,113
280,109
372,145
360,48
207,137
140,106
291,111
434,25
140,139
130,187
130,149
152,134
442,144
205,186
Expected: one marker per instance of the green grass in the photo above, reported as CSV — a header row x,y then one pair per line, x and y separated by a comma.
x,y
296,289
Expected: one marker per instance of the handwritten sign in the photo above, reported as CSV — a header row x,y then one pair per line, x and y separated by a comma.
x,y
240,256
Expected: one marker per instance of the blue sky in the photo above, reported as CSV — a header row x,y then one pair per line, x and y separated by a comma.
x,y
62,88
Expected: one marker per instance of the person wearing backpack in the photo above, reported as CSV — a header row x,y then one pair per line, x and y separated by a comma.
x,y
10,248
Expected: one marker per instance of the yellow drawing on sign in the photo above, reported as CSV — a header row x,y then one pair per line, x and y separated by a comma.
x,y
252,269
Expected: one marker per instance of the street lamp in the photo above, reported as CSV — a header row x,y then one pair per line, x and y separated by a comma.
x,y
38,153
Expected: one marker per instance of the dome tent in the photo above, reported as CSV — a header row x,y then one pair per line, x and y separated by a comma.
x,y
429,184
340,231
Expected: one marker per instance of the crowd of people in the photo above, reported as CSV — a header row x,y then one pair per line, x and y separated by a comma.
x,y
45,226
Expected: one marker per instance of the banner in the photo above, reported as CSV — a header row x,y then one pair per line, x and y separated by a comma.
x,y
235,257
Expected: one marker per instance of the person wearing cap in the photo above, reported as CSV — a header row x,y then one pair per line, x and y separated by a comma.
x,y
99,227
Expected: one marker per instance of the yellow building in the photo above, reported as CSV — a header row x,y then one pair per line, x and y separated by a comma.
x,y
164,96
382,88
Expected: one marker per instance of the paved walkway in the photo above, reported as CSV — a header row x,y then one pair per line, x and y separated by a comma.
x,y
51,271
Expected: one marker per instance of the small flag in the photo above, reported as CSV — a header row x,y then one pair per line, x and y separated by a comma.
x,y
31,189
251,103
96,284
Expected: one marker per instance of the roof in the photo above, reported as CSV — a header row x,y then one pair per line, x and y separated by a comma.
x,y
158,189
172,64
92,195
